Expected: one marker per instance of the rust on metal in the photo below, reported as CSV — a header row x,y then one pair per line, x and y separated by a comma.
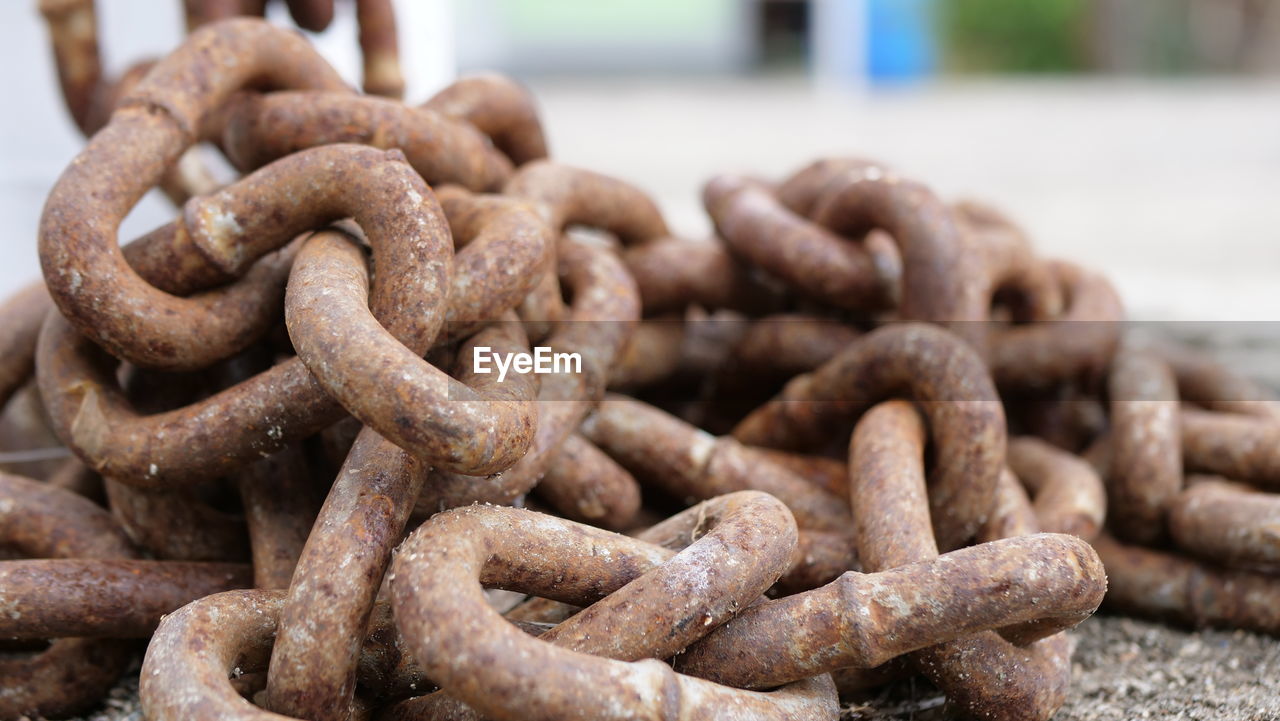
x,y
933,367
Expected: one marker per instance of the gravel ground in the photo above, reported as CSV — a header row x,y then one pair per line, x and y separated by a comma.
x,y
1130,669
1124,669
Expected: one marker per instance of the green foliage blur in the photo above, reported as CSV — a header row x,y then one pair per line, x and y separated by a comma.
x,y
1014,36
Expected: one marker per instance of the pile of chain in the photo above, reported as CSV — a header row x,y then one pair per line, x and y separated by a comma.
x,y
295,487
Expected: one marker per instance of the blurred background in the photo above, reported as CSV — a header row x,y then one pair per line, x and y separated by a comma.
x,y
1141,137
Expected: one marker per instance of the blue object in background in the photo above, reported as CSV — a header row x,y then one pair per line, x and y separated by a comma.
x,y
901,40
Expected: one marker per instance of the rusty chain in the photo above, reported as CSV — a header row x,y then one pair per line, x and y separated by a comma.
x,y
849,416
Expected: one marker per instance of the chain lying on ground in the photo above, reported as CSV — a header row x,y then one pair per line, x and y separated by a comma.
x,y
847,421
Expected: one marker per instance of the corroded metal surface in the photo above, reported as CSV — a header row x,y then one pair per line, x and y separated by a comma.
x,y
21,316
104,598
1227,523
812,260
496,551
690,463
289,373
985,674
1164,585
1074,344
1068,494
499,108
868,619
88,277
260,128
1146,459
430,414
1239,447
586,485
71,674
933,367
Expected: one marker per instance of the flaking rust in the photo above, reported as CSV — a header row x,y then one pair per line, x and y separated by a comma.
x,y
813,460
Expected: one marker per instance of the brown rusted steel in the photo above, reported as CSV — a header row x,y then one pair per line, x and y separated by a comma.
x,y
433,416
193,661
1227,523
1012,514
1146,459
104,598
199,647
854,683
674,349
69,677
1069,494
1206,382
265,413
500,108
502,247
690,463
380,48
203,12
1170,587
312,674
313,15
867,619
754,534
604,310
655,611
774,348
204,440
938,272
226,231
437,575
829,473
90,97
984,674
261,128
672,273
21,316
313,662
1069,416
821,557
800,191
1015,277
37,520
586,485
28,444
933,367
1077,344
73,32
155,122
575,196
280,501
74,476
375,19
1240,447
285,403
329,448
543,307
810,259
47,522
176,525
654,353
